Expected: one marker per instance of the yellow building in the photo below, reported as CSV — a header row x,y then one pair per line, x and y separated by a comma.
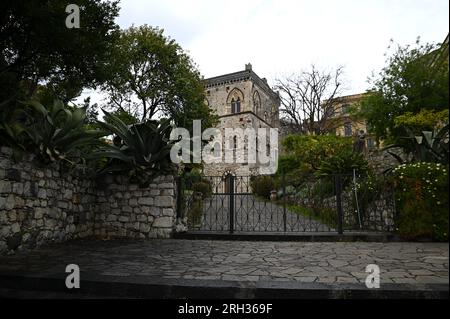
x,y
343,122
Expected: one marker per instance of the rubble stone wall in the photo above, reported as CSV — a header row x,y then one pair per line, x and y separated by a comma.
x,y
45,204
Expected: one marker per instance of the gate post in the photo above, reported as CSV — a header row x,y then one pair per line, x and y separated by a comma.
x,y
283,181
231,194
179,180
340,214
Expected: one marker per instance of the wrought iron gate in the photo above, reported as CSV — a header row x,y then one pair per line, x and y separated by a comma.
x,y
229,204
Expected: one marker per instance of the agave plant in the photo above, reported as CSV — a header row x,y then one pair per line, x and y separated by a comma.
x,y
58,133
426,147
140,150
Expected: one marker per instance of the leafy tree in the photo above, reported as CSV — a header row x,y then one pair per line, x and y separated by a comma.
x,y
37,48
312,150
12,130
321,155
42,59
124,116
427,136
155,77
425,120
92,113
412,81
288,163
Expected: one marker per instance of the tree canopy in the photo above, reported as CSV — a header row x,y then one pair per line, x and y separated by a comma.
x,y
322,155
38,49
154,77
411,81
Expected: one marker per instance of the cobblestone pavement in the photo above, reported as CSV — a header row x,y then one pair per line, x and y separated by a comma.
x,y
334,263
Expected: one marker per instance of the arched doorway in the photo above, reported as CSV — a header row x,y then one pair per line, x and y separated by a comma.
x,y
228,181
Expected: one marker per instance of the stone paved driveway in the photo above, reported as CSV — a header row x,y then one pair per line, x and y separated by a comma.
x,y
411,263
253,214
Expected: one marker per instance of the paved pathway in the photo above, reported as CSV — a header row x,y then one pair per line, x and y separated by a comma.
x,y
253,214
334,263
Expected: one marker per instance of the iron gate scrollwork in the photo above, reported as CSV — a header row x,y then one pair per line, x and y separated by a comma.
x,y
230,204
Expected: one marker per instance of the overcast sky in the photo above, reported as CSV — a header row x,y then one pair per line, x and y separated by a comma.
x,y
284,36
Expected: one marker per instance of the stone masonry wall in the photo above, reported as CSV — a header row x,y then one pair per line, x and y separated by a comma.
x,y
379,215
381,160
40,205
125,210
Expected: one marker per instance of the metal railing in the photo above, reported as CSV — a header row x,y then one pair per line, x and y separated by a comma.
x,y
321,205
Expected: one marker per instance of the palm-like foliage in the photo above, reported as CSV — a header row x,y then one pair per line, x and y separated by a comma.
x,y
141,150
344,162
58,133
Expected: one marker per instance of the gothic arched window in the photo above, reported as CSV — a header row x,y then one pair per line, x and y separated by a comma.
x,y
234,99
256,102
236,105
348,131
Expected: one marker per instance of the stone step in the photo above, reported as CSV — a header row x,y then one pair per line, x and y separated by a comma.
x,y
35,287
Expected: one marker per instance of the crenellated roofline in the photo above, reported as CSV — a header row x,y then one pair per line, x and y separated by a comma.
x,y
240,76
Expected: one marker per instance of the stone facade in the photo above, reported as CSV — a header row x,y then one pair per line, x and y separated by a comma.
x,y
241,100
40,205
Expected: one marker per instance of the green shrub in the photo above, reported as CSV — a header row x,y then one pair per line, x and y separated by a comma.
x,y
328,216
422,200
312,150
311,195
195,213
12,128
322,188
322,155
287,164
343,162
191,178
263,185
203,187
316,190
